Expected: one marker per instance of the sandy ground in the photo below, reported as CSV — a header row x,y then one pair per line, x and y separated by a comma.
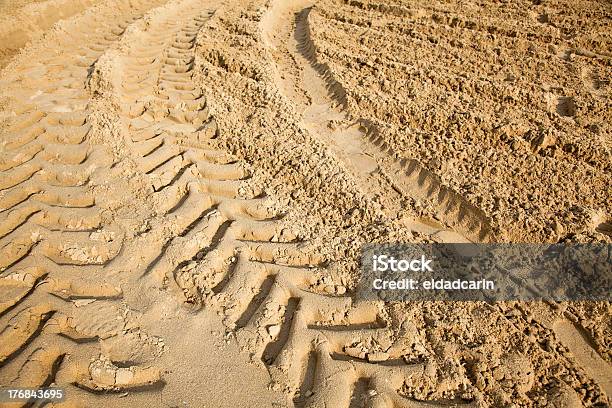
x,y
186,186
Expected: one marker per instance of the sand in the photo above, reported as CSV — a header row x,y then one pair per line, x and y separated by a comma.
x,y
186,186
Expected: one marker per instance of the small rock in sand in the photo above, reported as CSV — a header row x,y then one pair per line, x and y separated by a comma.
x,y
274,330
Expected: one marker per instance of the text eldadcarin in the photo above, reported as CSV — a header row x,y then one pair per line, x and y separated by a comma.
x,y
418,274
485,272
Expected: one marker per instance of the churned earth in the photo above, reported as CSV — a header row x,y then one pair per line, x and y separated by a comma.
x,y
186,186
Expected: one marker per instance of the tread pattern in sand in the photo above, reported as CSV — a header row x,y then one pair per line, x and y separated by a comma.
x,y
220,242
408,175
215,240
54,238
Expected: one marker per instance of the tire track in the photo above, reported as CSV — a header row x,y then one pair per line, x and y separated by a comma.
x,y
359,143
553,328
572,336
317,344
53,235
567,332
407,175
218,242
